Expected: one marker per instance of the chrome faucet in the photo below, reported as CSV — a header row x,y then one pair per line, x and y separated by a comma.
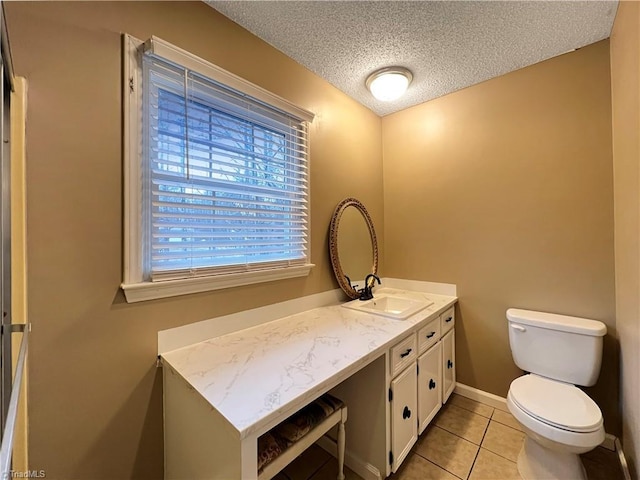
x,y
366,293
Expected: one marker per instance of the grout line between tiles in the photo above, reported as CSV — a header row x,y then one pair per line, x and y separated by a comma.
x,y
508,426
434,463
442,468
473,464
466,439
319,468
490,419
472,411
496,453
504,424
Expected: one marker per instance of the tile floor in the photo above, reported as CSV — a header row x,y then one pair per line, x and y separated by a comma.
x,y
467,440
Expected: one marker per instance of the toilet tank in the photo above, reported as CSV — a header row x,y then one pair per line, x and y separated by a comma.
x,y
563,348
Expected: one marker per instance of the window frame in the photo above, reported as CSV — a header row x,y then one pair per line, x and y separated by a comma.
x,y
136,288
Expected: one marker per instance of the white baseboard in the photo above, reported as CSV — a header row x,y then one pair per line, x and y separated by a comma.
x,y
481,396
622,459
609,442
360,467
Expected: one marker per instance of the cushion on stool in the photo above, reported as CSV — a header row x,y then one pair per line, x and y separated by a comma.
x,y
285,434
269,448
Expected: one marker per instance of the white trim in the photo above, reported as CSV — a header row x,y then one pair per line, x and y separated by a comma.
x,y
420,286
139,292
178,56
621,458
481,396
136,289
179,337
132,102
609,442
361,468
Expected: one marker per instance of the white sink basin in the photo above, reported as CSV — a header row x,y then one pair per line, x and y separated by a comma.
x,y
389,306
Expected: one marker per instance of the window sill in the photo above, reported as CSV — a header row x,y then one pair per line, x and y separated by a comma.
x,y
139,292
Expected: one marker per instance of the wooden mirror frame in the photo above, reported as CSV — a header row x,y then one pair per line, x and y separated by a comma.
x,y
333,243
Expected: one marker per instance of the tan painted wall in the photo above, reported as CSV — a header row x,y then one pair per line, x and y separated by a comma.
x,y
505,188
19,306
95,394
625,99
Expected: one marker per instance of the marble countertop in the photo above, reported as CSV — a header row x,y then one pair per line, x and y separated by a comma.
x,y
258,376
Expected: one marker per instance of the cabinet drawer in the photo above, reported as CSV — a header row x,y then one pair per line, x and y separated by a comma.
x,y
447,320
428,335
403,354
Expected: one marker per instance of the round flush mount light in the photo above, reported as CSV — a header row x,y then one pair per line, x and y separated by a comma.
x,y
389,83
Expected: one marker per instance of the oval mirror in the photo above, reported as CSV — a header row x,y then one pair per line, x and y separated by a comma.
x,y
352,245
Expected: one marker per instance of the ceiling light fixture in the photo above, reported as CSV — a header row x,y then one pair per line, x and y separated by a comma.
x,y
389,83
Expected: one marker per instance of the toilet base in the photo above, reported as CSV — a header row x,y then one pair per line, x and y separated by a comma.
x,y
536,462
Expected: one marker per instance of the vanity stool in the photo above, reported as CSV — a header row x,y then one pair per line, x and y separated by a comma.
x,y
283,443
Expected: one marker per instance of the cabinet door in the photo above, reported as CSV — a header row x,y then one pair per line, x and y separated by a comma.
x,y
429,388
448,364
404,424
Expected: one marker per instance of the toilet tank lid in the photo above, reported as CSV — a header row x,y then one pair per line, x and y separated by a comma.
x,y
553,321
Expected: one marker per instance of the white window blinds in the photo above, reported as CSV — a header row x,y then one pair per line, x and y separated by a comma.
x,y
224,178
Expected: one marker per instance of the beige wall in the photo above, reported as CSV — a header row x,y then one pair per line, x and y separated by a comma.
x,y
20,460
95,393
625,99
505,188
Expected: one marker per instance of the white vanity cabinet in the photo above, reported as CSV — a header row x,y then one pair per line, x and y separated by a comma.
x,y
390,373
421,382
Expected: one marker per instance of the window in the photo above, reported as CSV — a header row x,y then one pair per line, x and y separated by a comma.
x,y
216,177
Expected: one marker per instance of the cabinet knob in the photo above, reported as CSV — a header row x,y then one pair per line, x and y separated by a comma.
x,y
429,335
404,354
449,364
406,413
432,384
448,319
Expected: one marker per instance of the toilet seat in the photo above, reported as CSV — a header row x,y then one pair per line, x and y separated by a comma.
x,y
556,404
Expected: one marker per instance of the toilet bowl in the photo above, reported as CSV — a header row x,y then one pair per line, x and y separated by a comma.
x,y
560,420
561,414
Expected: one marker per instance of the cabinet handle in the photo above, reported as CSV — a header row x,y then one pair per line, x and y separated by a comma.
x,y
402,355
432,384
448,319
406,413
429,335
449,364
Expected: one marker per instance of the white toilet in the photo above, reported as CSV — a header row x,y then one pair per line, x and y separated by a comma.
x,y
559,419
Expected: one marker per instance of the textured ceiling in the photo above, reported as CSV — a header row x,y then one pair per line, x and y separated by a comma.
x,y
448,45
